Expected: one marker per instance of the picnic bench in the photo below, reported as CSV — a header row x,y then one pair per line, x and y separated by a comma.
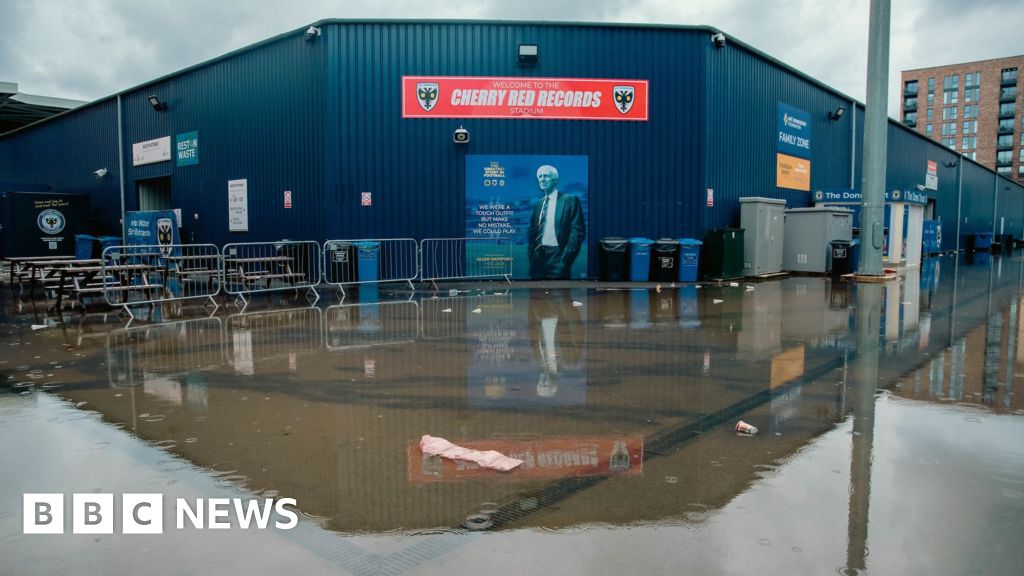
x,y
250,271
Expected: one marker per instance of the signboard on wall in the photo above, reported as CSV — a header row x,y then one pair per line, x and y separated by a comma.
x,y
523,98
504,199
186,147
793,148
931,176
151,151
238,205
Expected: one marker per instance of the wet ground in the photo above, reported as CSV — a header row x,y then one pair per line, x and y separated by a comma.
x,y
890,419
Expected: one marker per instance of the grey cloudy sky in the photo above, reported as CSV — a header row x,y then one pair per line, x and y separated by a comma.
x,y
87,49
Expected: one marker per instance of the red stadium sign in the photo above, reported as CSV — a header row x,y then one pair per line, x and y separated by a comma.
x,y
532,98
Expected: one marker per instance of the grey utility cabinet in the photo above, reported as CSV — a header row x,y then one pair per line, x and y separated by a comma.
x,y
808,233
763,219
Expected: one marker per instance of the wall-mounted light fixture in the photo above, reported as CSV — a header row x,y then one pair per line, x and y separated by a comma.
x,y
951,164
312,33
460,136
528,54
718,39
837,113
921,187
156,103
100,173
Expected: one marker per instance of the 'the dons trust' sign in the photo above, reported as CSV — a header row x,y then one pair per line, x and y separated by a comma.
x,y
538,98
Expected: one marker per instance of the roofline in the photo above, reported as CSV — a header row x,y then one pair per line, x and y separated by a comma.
x,y
957,64
409,21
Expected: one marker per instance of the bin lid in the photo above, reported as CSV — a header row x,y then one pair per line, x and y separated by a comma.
x,y
108,238
763,200
367,244
666,241
85,237
841,242
641,241
690,242
839,209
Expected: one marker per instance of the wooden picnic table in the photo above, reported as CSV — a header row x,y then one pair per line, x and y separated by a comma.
x,y
83,279
251,270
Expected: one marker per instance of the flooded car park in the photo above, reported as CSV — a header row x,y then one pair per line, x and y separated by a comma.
x,y
889,422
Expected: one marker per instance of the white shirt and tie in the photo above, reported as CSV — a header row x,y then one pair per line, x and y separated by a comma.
x,y
547,220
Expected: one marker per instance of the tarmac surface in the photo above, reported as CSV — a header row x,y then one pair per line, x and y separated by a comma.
x,y
890,428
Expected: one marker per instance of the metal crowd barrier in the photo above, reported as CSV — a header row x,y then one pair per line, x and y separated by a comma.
x,y
271,335
152,273
465,259
254,267
371,261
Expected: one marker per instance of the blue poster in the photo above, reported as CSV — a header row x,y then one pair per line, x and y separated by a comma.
x,y
540,202
186,148
794,131
153,228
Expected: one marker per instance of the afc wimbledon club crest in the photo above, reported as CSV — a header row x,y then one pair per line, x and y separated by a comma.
x,y
426,94
164,235
623,98
50,221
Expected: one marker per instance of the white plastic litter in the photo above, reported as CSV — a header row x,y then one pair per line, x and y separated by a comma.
x,y
477,311
39,326
446,310
717,301
490,459
577,304
734,284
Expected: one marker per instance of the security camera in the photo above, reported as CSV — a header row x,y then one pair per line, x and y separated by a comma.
x,y
312,33
460,136
100,173
921,187
718,39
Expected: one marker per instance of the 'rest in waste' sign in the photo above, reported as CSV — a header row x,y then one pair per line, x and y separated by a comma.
x,y
186,148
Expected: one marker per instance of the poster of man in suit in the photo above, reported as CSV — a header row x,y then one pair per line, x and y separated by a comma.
x,y
539,203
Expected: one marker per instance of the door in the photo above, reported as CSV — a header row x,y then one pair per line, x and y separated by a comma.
x,y
154,193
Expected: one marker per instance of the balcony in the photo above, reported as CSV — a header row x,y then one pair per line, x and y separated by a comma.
x,y
910,122
910,90
1008,79
1007,96
1004,145
1005,128
1007,113
1004,163
910,106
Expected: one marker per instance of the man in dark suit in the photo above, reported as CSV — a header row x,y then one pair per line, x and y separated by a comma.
x,y
557,229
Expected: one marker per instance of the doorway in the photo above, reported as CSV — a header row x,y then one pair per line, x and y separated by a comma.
x,y
154,193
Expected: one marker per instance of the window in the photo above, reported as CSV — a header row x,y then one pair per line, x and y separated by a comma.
x,y
950,97
1004,170
1008,93
931,99
971,127
950,142
910,87
1004,157
931,85
970,155
910,118
1007,109
1006,125
971,111
1021,159
928,130
949,113
972,79
951,82
910,102
1020,171
949,129
1004,141
1021,140
971,94
1008,76
930,114
970,143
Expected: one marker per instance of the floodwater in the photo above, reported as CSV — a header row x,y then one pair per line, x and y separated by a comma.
x,y
890,425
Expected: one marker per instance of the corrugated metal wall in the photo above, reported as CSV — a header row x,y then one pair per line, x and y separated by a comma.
x,y
743,93
259,115
640,172
322,119
64,153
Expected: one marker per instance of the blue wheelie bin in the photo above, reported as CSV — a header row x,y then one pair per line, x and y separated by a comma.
x,y
639,259
108,241
368,255
85,246
689,259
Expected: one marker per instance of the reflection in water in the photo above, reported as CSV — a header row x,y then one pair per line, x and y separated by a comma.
x,y
622,401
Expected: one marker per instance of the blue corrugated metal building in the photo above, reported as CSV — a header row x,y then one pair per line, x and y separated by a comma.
x,y
320,116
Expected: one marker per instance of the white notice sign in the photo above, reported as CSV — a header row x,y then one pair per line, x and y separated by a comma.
x,y
151,151
238,205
